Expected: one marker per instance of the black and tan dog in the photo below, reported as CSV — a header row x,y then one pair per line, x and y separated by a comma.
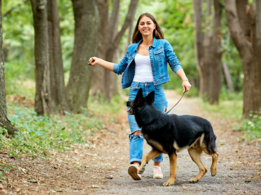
x,y
171,133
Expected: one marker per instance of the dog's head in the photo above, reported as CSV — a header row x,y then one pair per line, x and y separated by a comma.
x,y
139,102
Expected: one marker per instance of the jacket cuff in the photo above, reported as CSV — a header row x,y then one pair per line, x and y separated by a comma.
x,y
176,68
115,68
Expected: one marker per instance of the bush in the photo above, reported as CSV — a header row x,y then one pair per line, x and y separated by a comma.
x,y
39,134
252,127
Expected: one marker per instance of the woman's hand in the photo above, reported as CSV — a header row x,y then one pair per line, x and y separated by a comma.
x,y
93,61
186,85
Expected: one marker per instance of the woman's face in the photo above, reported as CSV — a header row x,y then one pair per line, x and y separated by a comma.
x,y
146,26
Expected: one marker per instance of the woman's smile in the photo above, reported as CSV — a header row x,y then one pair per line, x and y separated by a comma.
x,y
146,26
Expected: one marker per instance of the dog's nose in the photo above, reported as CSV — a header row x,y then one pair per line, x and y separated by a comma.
x,y
128,103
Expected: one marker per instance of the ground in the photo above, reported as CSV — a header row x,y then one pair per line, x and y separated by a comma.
x,y
100,167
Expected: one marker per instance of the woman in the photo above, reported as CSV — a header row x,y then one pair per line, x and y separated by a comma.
x,y
145,66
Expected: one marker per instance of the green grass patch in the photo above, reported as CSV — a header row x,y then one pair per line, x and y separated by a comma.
x,y
39,134
251,127
228,109
101,106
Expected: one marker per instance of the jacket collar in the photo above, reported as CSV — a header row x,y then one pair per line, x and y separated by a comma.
x,y
153,44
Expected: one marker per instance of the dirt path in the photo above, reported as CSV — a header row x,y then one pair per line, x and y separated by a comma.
x,y
101,166
238,168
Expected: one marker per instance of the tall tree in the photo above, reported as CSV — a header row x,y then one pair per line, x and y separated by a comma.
x,y
42,73
87,23
208,54
104,82
245,28
57,87
4,122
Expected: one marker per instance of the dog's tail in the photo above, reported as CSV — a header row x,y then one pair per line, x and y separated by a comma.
x,y
210,140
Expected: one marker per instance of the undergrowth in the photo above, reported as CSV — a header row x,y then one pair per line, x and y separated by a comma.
x,y
251,127
39,134
226,109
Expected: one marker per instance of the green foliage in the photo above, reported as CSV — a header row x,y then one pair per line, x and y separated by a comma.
x,y
102,106
16,79
252,127
67,32
39,134
226,109
176,21
18,32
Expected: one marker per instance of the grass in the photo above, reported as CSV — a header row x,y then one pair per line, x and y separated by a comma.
x,y
231,107
39,134
226,108
251,127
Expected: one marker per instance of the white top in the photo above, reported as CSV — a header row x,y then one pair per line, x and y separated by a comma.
x,y
143,71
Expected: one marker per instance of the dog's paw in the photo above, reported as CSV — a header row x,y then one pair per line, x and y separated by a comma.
x,y
213,172
141,170
170,182
193,180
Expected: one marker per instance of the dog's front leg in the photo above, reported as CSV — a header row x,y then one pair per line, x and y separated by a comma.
x,y
173,168
152,154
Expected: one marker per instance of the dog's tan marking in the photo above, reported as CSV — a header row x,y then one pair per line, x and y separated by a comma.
x,y
152,154
213,167
173,168
214,156
154,144
195,143
195,156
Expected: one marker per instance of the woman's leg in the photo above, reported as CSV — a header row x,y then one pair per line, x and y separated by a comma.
x,y
136,141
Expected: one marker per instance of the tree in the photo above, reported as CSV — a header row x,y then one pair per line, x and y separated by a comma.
x,y
87,25
4,121
42,69
245,28
58,99
208,54
104,81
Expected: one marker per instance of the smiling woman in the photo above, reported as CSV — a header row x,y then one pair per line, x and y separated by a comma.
x,y
145,66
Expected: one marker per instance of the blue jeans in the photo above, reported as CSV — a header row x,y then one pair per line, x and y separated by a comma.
x,y
160,103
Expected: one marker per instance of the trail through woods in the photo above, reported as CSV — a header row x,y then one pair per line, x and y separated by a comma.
x,y
100,167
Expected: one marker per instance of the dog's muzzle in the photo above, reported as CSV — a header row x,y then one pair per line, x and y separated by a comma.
x,y
129,108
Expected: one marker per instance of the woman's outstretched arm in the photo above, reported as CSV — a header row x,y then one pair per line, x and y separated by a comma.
x,y
105,64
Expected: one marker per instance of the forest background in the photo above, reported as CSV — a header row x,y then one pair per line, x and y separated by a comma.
x,y
53,96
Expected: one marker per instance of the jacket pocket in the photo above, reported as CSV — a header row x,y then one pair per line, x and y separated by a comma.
x,y
159,53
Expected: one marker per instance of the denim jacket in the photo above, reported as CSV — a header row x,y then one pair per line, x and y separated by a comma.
x,y
160,53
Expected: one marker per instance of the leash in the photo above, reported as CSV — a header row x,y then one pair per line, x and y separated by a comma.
x,y
177,102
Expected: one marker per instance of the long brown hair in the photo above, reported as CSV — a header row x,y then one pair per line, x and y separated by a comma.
x,y
157,33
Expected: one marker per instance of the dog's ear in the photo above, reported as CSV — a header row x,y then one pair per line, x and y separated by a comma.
x,y
139,98
150,98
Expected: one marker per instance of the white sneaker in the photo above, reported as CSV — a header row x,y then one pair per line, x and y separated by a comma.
x,y
133,172
157,173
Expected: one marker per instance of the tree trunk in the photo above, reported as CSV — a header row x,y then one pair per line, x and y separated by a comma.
x,y
208,55
228,80
97,85
215,70
85,46
58,97
42,73
257,57
108,46
4,122
247,48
